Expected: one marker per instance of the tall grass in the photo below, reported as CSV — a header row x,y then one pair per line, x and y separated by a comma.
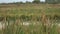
x,y
17,19
44,26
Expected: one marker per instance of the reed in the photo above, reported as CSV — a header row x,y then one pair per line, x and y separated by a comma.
x,y
30,20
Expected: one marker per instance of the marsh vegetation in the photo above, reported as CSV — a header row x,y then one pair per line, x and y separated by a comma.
x,y
30,19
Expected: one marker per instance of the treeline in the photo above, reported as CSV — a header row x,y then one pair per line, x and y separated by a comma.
x,y
37,2
52,1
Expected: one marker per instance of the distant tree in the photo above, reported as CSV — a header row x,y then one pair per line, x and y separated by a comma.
x,y
28,2
17,3
36,1
55,1
58,1
52,1
21,2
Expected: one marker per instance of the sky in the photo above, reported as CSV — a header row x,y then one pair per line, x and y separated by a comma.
x,y
10,1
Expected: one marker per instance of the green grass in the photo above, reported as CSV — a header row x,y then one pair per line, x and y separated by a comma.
x,y
31,13
38,28
29,9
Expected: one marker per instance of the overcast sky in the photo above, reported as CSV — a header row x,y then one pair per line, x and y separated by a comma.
x,y
9,1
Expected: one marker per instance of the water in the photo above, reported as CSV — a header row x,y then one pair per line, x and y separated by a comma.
x,y
27,23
